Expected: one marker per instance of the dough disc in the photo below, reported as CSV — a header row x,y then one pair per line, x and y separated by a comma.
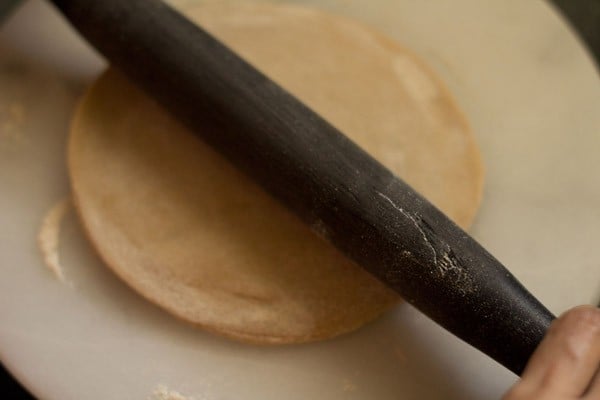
x,y
190,233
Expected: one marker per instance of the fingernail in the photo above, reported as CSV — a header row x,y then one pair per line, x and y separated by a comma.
x,y
585,327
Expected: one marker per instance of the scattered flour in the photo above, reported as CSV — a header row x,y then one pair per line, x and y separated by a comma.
x,y
48,236
443,259
415,223
164,393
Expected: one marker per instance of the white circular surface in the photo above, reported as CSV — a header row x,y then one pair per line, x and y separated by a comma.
x,y
532,95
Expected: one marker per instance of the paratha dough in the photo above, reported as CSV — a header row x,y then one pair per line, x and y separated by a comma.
x,y
186,230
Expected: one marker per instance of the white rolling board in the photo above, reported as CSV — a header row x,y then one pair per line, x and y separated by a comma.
x,y
533,97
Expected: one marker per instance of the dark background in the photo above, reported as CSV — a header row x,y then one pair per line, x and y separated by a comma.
x,y
584,16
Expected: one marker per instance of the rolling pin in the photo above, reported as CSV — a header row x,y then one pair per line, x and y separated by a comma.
x,y
372,216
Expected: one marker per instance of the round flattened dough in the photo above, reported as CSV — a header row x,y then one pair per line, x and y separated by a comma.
x,y
189,232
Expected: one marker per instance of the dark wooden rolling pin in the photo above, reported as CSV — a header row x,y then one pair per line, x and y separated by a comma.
x,y
371,215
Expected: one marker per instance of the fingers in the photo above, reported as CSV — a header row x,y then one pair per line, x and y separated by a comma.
x,y
568,357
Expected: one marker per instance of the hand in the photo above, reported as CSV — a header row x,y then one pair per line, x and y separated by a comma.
x,y
566,364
